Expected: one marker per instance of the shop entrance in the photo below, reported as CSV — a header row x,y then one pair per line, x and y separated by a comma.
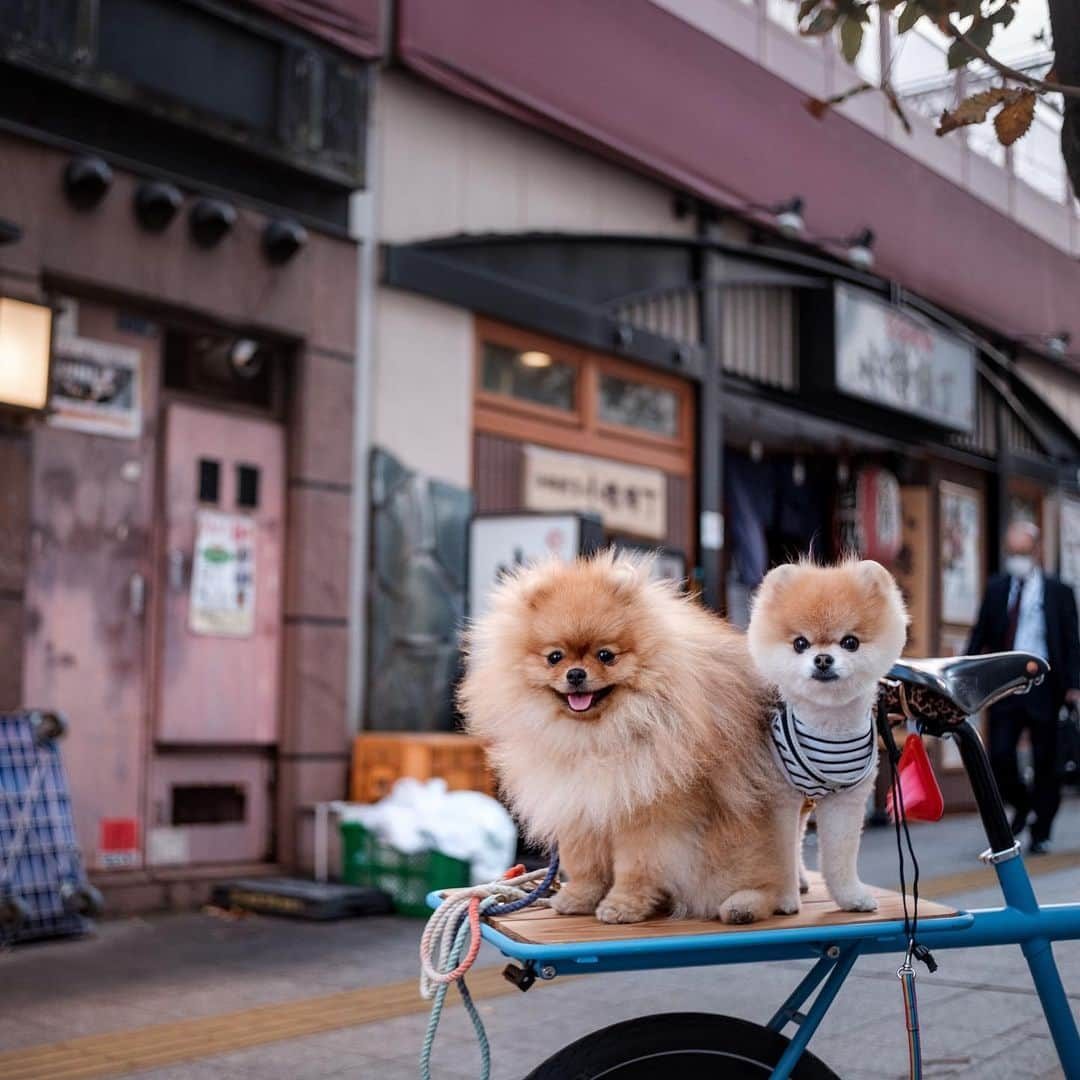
x,y
220,559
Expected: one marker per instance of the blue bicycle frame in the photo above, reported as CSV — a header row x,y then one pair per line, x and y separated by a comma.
x,y
1022,921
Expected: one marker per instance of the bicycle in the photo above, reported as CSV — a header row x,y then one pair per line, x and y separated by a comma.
x,y
937,697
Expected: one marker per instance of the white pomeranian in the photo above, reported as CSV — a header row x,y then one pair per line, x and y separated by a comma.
x,y
823,636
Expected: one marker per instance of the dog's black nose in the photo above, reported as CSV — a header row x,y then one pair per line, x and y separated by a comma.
x,y
823,661
576,676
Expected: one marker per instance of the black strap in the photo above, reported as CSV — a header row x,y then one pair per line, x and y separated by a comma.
x,y
911,922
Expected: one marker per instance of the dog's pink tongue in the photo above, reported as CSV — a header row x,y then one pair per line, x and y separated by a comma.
x,y
579,702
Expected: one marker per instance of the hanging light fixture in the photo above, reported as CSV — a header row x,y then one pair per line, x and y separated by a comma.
x,y
860,249
25,353
789,217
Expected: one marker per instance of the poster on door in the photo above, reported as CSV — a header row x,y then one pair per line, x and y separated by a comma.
x,y
961,545
223,576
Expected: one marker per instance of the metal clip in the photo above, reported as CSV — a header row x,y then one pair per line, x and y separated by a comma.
x,y
992,858
905,968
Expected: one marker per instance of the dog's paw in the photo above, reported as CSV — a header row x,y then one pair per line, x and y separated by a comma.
x,y
804,884
619,907
579,900
857,899
746,906
787,905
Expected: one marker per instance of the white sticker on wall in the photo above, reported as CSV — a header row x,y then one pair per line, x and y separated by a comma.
x,y
712,530
167,846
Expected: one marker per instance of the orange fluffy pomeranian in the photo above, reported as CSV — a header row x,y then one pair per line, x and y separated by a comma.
x,y
628,725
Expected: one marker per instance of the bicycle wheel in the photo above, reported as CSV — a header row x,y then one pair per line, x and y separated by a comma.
x,y
691,1046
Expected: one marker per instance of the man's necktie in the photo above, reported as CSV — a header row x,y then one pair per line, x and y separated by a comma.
x,y
1014,615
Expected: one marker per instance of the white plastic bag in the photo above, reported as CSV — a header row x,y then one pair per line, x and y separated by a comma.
x,y
423,816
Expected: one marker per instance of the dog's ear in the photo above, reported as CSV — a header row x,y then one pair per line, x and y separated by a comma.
x,y
874,575
630,572
777,578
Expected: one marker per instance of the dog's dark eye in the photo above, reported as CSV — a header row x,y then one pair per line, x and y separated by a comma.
x,y
849,642
606,656
800,644
554,657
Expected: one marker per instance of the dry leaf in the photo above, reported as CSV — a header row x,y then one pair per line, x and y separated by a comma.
x,y
1015,118
974,109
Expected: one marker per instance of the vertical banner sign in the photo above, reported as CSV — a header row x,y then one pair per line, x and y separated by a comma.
x,y
223,576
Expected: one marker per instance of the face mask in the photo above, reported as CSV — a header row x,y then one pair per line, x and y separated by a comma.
x,y
1019,566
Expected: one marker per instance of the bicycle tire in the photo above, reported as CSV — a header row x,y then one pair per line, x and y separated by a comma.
x,y
691,1046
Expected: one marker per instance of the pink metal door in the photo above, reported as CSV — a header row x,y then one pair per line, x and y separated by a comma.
x,y
222,545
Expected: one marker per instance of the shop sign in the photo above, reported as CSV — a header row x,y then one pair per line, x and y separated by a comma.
x,y
626,498
892,357
1069,526
95,388
961,545
223,576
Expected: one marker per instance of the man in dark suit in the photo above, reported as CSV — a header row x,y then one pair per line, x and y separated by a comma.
x,y
1027,610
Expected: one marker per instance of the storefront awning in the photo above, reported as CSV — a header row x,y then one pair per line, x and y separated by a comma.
x,y
582,287
627,79
643,298
352,25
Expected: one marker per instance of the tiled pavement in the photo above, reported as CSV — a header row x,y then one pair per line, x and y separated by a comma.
x,y
981,1018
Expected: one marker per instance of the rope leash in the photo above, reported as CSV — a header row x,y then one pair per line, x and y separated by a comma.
x,y
444,958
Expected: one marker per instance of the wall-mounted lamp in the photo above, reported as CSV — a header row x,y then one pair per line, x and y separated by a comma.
x,y
10,233
86,180
1057,345
210,221
156,204
787,216
25,352
282,239
860,249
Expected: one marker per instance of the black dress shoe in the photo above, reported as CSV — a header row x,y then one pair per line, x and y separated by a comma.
x,y
1019,821
1039,847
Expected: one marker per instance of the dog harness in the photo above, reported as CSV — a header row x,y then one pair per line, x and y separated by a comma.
x,y
817,764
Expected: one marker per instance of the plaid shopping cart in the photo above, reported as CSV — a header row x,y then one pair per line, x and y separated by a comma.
x,y
43,887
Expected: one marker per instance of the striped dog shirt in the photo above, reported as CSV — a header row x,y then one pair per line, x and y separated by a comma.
x,y
817,764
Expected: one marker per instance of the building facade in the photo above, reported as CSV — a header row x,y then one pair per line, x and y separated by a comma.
x,y
399,267
176,529
588,238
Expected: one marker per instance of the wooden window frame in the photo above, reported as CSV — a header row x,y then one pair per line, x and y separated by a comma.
x,y
581,431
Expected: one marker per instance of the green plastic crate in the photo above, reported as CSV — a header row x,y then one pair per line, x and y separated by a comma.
x,y
407,878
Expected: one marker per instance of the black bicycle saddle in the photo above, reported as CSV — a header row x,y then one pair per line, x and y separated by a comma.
x,y
973,682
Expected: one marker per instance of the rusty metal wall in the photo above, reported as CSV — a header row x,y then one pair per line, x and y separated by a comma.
x,y
497,473
760,335
983,439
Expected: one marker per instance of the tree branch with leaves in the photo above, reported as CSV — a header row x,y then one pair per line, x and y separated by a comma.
x,y
971,26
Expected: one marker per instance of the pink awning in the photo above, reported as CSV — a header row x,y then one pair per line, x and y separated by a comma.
x,y
352,25
630,80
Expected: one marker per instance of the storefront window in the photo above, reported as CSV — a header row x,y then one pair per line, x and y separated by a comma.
x,y
529,375
639,405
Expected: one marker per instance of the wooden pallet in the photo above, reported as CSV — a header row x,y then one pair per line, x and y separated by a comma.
x,y
542,926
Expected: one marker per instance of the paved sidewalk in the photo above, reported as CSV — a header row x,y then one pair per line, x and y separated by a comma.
x,y
981,1018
